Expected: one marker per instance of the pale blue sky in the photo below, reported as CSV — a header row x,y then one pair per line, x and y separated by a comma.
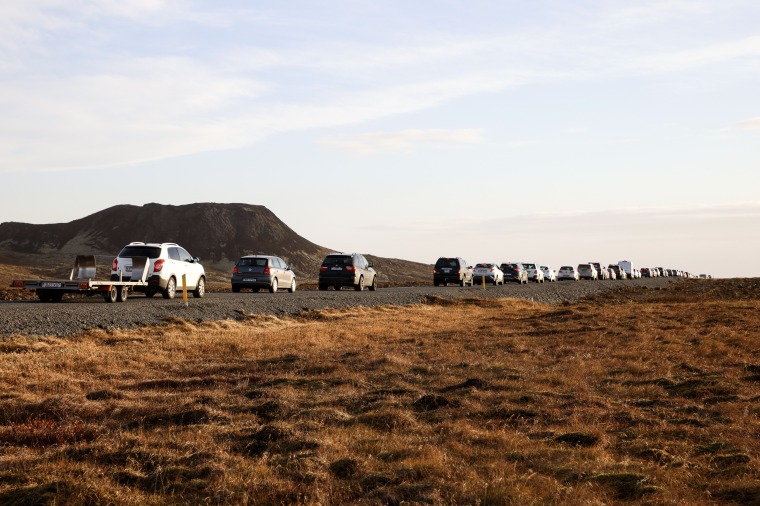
x,y
547,131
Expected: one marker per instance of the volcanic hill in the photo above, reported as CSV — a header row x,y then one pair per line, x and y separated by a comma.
x,y
217,233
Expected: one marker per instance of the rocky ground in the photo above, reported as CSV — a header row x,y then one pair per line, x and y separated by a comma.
x,y
77,314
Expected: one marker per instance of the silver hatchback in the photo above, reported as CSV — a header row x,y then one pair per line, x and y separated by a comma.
x,y
262,271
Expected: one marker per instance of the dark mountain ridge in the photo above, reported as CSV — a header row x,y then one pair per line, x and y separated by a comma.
x,y
217,233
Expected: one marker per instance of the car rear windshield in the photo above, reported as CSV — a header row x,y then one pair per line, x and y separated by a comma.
x,y
447,262
337,260
484,265
509,266
529,266
566,268
140,251
253,262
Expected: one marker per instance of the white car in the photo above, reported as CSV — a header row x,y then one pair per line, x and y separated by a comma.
x,y
568,272
534,272
489,271
550,274
167,263
587,271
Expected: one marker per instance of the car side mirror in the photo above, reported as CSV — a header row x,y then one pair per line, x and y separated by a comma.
x,y
370,264
197,260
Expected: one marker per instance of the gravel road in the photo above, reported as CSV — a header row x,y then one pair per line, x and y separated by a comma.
x,y
77,314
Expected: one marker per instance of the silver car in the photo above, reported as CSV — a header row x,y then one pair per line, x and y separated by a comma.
x,y
534,272
567,272
587,271
262,271
490,272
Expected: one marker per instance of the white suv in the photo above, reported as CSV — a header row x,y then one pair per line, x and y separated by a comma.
x,y
167,263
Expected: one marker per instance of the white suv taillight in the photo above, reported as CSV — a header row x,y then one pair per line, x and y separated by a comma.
x,y
115,264
158,265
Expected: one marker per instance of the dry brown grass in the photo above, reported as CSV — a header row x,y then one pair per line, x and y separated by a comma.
x,y
649,396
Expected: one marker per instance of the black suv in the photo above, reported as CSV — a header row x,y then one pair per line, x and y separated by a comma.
x,y
515,272
452,270
347,269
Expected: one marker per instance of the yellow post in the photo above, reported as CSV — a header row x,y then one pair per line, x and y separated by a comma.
x,y
184,288
483,278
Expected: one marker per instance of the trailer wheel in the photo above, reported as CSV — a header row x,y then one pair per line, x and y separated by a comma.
x,y
111,295
122,294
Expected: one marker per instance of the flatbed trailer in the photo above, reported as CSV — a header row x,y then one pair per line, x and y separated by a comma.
x,y
82,281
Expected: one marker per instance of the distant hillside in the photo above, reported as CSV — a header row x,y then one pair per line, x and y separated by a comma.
x,y
217,233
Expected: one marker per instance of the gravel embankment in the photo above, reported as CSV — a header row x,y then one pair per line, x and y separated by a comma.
x,y
78,314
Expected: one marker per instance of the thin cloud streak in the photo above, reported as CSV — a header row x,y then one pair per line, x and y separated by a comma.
x,y
405,141
749,124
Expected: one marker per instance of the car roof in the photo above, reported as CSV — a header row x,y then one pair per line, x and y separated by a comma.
x,y
259,256
156,244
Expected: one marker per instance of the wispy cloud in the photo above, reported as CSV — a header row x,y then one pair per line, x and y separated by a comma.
x,y
406,140
128,91
749,124
700,56
659,10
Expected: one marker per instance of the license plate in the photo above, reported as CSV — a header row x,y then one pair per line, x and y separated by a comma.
x,y
337,268
250,279
128,268
446,270
51,285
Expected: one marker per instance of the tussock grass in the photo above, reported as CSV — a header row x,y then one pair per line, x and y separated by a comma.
x,y
645,396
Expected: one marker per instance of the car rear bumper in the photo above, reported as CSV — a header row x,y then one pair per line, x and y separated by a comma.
x,y
344,280
447,278
252,280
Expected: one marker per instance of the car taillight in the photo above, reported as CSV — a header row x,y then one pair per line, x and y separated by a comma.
x,y
350,268
158,265
235,270
114,264
459,271
323,268
266,270
435,271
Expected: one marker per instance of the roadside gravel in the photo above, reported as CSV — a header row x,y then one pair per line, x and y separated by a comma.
x,y
78,314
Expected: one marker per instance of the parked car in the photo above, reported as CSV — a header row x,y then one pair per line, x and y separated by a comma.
x,y
262,271
347,269
534,273
611,274
568,272
663,272
646,273
514,271
167,263
490,272
629,269
619,272
452,270
601,273
550,274
587,271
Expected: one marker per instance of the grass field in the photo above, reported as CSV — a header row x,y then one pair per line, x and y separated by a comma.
x,y
650,396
